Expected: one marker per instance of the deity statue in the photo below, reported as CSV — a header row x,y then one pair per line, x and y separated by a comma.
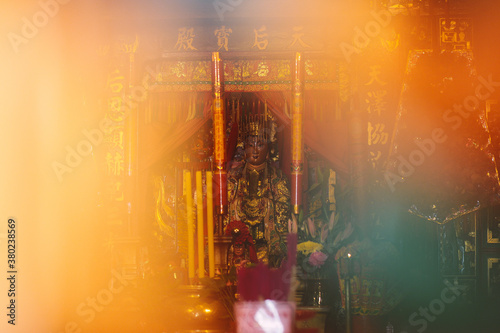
x,y
259,193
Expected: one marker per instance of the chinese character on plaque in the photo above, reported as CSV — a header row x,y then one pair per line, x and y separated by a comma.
x,y
260,41
375,72
455,33
222,35
377,101
185,39
377,135
297,37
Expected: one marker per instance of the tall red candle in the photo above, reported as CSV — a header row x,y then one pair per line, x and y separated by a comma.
x,y
297,132
219,134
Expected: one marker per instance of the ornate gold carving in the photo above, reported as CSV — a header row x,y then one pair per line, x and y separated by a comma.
x,y
308,66
162,208
284,69
491,277
262,69
130,47
179,69
490,238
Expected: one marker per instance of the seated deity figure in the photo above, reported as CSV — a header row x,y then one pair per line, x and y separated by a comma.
x,y
259,193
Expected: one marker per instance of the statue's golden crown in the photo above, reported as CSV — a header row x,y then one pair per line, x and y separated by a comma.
x,y
257,125
255,128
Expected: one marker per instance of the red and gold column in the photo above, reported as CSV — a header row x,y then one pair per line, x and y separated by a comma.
x,y
219,133
297,131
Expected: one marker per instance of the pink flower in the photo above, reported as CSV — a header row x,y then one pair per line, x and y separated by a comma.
x,y
317,258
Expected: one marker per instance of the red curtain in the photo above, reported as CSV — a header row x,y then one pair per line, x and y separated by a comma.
x,y
324,135
156,142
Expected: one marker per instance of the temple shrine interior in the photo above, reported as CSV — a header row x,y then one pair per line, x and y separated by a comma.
x,y
221,166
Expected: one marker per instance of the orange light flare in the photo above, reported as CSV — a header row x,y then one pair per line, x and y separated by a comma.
x,y
46,103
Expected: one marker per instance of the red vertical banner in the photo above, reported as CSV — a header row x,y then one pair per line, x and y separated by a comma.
x,y
297,132
219,133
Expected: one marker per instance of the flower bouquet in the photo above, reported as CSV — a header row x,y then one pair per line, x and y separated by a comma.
x,y
319,240
316,266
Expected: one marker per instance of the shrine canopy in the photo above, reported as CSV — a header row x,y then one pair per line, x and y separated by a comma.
x,y
179,105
